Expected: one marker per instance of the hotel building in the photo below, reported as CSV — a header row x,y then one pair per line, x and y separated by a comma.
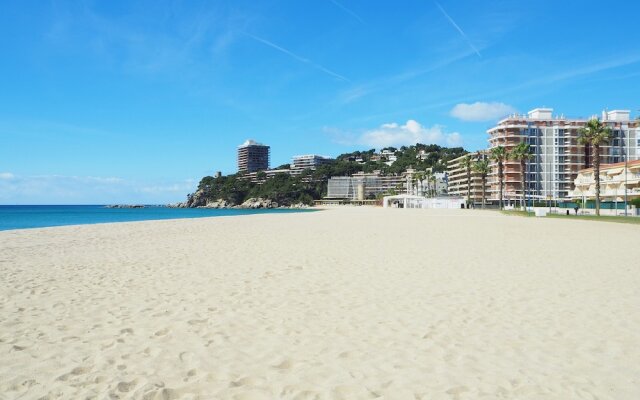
x,y
253,157
309,161
557,154
457,178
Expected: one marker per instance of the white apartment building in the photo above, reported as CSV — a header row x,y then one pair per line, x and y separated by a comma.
x,y
615,180
308,161
557,154
457,178
362,186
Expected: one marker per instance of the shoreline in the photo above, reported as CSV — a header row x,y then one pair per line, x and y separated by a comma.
x,y
103,215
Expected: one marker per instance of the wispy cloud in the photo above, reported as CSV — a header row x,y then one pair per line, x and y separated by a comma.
x,y
568,75
455,25
296,57
348,11
545,80
376,85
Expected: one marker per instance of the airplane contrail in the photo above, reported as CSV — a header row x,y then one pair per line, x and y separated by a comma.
x,y
345,9
464,35
297,57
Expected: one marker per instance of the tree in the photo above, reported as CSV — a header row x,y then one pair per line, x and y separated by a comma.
x,y
427,176
481,167
595,134
522,153
467,163
418,178
433,185
499,155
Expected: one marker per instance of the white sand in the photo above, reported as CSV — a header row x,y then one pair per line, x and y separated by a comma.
x,y
350,303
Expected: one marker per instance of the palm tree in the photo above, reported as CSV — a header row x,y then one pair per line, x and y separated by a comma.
x,y
427,178
481,167
522,153
595,134
499,155
418,177
467,162
433,185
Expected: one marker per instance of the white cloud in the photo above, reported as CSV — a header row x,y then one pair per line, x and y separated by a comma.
x,y
412,132
6,176
481,111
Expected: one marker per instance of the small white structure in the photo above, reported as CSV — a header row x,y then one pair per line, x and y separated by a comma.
x,y
541,212
412,201
403,201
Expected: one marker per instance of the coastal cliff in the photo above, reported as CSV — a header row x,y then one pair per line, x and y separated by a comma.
x,y
199,199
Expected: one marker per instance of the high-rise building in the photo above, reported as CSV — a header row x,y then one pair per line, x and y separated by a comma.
x,y
253,156
308,161
557,155
457,178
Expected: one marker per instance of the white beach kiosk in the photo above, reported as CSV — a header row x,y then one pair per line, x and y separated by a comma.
x,y
409,200
413,201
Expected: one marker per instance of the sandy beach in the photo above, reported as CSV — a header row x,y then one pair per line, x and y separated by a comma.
x,y
351,303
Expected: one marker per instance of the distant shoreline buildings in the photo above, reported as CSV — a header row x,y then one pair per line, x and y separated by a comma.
x,y
558,171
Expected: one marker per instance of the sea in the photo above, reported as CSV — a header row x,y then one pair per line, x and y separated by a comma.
x,y
25,217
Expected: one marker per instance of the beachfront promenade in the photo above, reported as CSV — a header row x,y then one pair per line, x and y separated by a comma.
x,y
348,303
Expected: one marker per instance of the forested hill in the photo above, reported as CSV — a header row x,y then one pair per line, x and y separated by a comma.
x,y
311,185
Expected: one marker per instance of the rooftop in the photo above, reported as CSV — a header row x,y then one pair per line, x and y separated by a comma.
x,y
604,167
251,142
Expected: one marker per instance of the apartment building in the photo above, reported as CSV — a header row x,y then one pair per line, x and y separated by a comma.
x,y
558,157
457,178
253,157
308,161
363,186
615,179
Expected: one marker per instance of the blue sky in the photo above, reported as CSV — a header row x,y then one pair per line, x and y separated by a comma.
x,y
123,101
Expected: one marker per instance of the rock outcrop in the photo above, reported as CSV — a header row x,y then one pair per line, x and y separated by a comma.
x,y
254,203
299,205
200,200
220,203
197,199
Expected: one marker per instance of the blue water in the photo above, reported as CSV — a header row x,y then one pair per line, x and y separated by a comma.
x,y
22,217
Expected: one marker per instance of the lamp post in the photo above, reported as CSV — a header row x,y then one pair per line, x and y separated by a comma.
x,y
626,158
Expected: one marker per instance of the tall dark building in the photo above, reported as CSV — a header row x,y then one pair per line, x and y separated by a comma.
x,y
253,156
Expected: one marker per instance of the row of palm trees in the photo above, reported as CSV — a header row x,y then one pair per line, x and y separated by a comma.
x,y
593,135
430,178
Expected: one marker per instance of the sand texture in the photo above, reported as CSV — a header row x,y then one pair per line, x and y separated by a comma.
x,y
352,303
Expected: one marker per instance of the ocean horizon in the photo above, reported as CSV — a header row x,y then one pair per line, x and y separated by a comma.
x,y
44,216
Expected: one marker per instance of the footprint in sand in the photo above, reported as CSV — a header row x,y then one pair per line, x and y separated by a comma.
x,y
163,394
197,321
286,364
74,372
186,356
162,332
127,386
